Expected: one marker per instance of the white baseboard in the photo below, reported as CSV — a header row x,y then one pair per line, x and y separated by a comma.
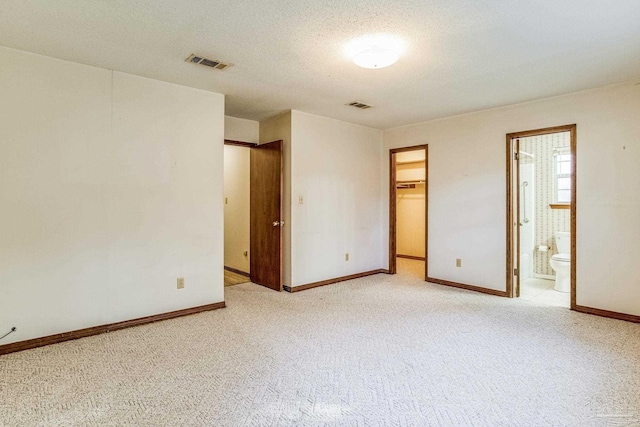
x,y
544,276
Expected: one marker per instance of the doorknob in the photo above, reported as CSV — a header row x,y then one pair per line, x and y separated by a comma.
x,y
276,223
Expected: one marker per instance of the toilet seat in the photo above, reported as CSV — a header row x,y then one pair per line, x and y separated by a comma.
x,y
562,257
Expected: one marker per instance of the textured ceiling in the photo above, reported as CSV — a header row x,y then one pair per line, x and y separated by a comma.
x,y
461,55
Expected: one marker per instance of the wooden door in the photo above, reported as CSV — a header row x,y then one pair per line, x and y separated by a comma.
x,y
266,215
518,218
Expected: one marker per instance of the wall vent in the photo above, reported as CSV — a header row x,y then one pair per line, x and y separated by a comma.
x,y
213,63
358,104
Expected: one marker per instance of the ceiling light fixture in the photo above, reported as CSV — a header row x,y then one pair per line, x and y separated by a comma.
x,y
375,50
376,57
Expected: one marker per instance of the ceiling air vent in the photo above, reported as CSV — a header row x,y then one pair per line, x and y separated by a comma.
x,y
218,65
359,105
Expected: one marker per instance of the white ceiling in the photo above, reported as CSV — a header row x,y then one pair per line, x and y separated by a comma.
x,y
461,56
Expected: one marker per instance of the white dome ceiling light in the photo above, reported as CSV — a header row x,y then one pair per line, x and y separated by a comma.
x,y
376,57
375,50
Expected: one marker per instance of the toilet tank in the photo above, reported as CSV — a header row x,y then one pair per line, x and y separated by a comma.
x,y
563,242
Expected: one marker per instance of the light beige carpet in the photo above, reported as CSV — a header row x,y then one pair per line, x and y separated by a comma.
x,y
380,351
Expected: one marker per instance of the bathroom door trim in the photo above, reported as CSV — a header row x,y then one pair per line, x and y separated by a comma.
x,y
512,168
392,206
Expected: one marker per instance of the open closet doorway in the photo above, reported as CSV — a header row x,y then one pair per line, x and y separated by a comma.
x,y
541,201
253,184
236,212
408,211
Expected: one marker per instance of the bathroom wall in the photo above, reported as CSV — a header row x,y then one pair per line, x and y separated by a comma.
x,y
410,204
547,221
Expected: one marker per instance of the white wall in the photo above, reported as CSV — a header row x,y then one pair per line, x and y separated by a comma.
x,y
242,130
336,168
236,192
273,129
111,188
467,191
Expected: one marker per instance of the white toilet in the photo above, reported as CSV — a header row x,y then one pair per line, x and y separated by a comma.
x,y
561,262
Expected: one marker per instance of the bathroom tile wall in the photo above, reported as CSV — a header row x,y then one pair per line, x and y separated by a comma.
x,y
547,220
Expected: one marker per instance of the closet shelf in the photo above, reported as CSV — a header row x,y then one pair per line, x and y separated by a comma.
x,y
411,162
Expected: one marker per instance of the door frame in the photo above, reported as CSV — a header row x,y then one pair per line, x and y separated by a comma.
x,y
392,205
513,168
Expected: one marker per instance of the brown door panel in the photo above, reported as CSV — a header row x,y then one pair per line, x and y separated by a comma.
x,y
266,215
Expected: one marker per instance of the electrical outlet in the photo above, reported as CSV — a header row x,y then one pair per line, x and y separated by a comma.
x,y
180,282
458,262
346,256
245,253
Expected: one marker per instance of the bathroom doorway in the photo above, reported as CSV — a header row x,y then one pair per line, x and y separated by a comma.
x,y
541,215
408,193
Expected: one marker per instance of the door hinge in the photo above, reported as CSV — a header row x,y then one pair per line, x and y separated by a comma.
x,y
515,271
515,156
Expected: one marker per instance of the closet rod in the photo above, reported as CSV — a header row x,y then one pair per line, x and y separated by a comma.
x,y
409,182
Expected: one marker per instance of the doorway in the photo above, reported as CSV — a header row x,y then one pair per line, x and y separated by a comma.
x,y
541,215
408,196
253,219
